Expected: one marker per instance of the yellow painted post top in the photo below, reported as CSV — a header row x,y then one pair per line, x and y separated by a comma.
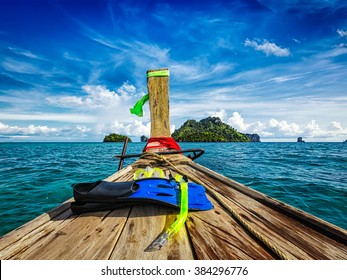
x,y
158,89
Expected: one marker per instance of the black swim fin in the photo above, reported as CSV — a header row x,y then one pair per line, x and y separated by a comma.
x,y
103,195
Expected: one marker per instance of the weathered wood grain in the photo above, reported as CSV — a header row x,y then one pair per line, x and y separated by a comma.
x,y
55,214
22,232
90,236
216,236
119,174
295,239
144,225
158,89
31,233
27,237
303,217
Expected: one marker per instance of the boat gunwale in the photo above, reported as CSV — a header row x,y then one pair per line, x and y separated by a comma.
x,y
337,233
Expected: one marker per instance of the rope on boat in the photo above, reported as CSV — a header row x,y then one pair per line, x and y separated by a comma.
x,y
221,200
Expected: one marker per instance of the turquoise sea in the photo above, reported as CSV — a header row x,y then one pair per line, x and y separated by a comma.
x,y
35,177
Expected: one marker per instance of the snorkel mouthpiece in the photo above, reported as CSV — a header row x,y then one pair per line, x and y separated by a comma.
x,y
161,240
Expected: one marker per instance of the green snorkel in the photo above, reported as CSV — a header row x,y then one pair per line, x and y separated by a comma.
x,y
164,237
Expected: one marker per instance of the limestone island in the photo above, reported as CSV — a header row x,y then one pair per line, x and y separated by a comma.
x,y
211,129
113,137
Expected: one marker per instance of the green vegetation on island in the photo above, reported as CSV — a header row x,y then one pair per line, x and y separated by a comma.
x,y
113,137
211,129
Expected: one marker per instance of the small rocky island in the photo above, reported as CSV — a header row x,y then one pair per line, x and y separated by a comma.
x,y
211,129
113,137
253,137
300,140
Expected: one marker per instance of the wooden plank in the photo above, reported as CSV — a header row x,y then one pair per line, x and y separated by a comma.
x,y
25,229
295,239
33,234
216,236
158,89
117,175
20,239
90,236
326,228
144,225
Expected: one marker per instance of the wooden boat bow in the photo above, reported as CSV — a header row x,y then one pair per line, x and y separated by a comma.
x,y
216,234
244,224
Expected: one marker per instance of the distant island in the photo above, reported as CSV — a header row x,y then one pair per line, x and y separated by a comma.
x,y
300,140
253,137
211,129
113,137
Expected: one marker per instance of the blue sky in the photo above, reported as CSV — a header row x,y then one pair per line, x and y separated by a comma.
x,y
70,70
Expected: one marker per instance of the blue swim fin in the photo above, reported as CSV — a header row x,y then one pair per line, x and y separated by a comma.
x,y
107,195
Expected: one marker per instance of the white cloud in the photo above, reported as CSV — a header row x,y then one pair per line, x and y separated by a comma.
x,y
149,50
134,48
109,108
24,53
29,130
337,51
105,110
74,131
135,127
143,55
334,129
283,127
132,128
32,130
98,96
71,57
335,126
267,48
127,89
146,55
220,114
70,118
238,122
275,129
342,33
66,101
20,67
283,79
312,129
194,71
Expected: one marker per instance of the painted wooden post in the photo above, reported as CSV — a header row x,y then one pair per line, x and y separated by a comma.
x,y
158,89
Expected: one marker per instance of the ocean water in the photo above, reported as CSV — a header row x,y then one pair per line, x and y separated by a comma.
x,y
35,177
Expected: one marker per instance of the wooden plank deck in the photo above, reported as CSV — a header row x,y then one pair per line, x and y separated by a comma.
x,y
216,234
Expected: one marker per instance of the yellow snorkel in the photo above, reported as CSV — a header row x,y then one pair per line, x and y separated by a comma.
x,y
164,237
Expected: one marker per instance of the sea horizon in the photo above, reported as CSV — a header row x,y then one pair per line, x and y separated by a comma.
x,y
176,141
308,176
